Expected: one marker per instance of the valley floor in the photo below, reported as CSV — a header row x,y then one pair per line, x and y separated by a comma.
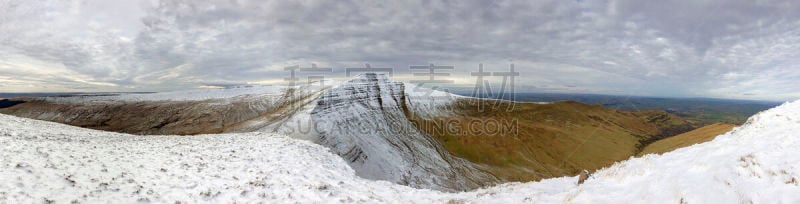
x,y
44,161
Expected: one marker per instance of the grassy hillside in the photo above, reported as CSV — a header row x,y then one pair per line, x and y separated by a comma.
x,y
699,135
705,111
547,140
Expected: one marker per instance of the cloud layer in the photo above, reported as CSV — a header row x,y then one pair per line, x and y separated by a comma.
x,y
742,49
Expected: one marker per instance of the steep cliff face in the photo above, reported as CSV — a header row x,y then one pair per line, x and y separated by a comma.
x,y
365,121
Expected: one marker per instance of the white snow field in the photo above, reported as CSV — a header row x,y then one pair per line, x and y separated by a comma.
x,y
43,161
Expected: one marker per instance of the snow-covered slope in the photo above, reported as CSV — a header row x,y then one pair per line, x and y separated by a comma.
x,y
758,162
365,121
41,161
244,109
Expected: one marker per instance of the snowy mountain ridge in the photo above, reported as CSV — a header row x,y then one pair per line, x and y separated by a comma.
x,y
42,161
48,161
365,120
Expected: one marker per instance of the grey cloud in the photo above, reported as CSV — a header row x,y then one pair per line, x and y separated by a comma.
x,y
669,48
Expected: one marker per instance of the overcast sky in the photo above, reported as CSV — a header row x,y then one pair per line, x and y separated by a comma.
x,y
724,49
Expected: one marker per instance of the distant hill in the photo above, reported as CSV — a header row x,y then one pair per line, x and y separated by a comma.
x,y
703,111
65,94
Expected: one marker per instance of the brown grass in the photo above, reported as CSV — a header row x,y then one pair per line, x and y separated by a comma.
x,y
551,140
697,136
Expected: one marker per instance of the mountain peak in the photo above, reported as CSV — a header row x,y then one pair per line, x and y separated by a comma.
x,y
371,76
